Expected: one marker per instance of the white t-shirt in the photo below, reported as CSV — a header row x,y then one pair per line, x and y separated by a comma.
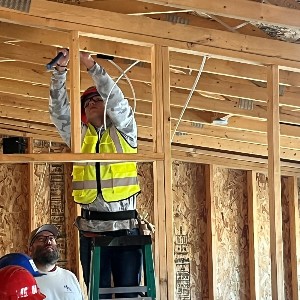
x,y
60,284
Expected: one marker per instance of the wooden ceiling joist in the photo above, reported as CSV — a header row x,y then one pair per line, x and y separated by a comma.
x,y
132,7
145,31
245,10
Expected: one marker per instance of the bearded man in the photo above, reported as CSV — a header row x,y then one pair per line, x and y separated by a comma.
x,y
58,283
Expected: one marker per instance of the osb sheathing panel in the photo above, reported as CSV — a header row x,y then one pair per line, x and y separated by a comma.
x,y
231,208
41,194
286,240
14,226
145,199
263,232
190,239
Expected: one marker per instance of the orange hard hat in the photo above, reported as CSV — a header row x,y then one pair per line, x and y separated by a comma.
x,y
17,283
87,94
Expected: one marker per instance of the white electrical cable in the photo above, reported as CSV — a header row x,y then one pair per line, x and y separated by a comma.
x,y
190,95
129,82
241,25
123,73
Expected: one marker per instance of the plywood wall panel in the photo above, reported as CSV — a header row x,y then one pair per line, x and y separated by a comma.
x,y
41,194
190,238
145,204
41,186
58,207
263,229
230,196
14,208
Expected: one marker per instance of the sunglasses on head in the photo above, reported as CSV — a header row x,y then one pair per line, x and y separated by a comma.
x,y
94,99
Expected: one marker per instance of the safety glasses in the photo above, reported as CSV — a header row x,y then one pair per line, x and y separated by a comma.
x,y
45,239
94,99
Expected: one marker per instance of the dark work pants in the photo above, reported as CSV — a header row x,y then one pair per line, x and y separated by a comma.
x,y
123,263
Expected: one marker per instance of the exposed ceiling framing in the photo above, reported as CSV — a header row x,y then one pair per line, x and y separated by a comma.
x,y
232,86
250,84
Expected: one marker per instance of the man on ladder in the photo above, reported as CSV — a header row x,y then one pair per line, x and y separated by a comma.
x,y
106,191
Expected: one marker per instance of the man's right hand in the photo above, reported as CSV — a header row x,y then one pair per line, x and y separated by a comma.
x,y
87,59
63,61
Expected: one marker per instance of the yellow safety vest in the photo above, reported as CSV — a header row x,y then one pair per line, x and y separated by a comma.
x,y
118,180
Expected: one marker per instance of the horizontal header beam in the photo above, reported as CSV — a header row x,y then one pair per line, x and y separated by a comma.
x,y
78,157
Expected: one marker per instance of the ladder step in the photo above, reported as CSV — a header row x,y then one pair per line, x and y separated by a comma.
x,y
127,289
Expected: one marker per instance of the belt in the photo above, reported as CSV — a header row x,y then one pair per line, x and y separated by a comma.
x,y
116,233
108,216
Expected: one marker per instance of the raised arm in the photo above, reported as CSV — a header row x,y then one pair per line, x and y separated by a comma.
x,y
59,106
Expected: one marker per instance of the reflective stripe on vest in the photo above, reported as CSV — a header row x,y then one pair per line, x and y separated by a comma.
x,y
92,184
118,180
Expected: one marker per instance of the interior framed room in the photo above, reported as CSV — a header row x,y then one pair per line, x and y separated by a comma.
x,y
215,88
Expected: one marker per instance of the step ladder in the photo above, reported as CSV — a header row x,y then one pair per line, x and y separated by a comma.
x,y
147,291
